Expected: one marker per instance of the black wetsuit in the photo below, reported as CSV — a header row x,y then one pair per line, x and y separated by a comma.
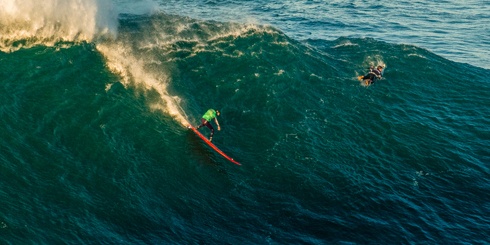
x,y
206,123
373,75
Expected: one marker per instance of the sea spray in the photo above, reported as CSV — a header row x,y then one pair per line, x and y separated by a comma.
x,y
123,61
29,22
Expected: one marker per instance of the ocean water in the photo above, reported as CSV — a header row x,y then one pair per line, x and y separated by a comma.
x,y
95,96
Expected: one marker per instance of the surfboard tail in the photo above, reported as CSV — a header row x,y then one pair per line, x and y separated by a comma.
x,y
215,148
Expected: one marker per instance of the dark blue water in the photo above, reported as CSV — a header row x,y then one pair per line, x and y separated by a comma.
x,y
95,99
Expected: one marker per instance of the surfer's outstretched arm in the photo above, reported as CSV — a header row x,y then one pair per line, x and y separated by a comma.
x,y
217,124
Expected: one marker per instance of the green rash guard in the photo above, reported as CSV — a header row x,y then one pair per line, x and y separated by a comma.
x,y
209,115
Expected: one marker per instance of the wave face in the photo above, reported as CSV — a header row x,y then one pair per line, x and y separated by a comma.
x,y
94,149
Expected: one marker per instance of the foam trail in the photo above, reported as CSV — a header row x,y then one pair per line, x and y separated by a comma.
x,y
122,61
32,22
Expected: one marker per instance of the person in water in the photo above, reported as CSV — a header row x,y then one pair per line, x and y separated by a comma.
x,y
373,75
206,118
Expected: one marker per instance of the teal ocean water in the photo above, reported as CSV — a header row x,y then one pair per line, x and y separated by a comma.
x,y
95,97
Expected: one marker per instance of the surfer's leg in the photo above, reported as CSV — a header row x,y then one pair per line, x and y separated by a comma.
x,y
212,130
203,122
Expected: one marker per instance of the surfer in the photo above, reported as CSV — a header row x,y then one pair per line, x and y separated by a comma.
x,y
373,75
208,116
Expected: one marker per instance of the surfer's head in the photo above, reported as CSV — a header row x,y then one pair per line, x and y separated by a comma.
x,y
380,68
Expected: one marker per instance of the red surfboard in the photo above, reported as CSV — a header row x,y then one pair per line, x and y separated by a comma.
x,y
212,145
